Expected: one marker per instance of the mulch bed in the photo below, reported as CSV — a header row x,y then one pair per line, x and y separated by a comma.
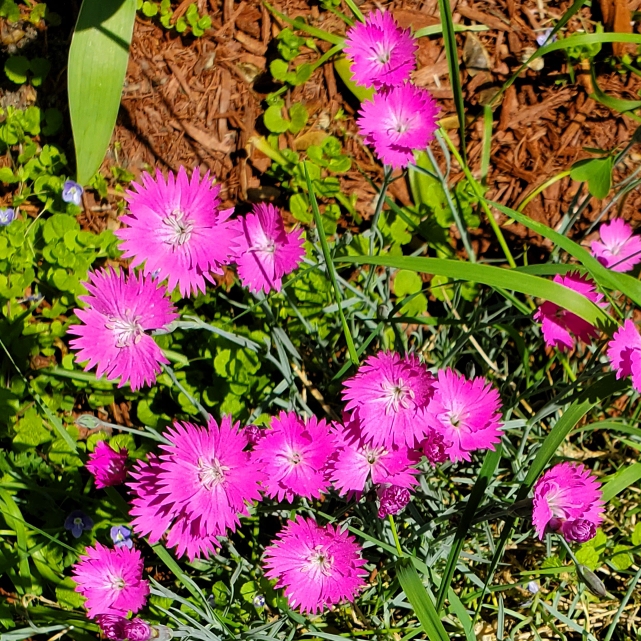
x,y
199,101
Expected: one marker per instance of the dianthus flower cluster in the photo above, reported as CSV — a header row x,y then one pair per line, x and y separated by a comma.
x,y
177,230
401,117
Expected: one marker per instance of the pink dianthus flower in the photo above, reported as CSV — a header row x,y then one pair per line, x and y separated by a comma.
x,y
107,466
293,455
383,55
112,336
624,352
178,229
567,493
317,566
196,489
558,324
397,122
266,251
467,413
618,248
111,580
355,462
390,395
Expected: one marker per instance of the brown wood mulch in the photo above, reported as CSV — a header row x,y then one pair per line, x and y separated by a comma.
x,y
199,102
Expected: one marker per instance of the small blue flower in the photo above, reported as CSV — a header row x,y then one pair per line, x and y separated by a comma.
x,y
533,587
259,601
72,192
77,522
542,38
7,216
121,536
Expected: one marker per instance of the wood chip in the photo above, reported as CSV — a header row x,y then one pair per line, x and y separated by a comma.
x,y
483,18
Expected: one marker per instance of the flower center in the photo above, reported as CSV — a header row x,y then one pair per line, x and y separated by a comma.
x,y
128,331
373,454
319,562
397,395
115,582
559,500
78,521
382,53
211,473
179,226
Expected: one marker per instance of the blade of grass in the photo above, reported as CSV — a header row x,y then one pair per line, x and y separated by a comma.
x,y
621,480
624,601
14,520
449,40
497,277
488,118
615,280
331,271
490,463
420,601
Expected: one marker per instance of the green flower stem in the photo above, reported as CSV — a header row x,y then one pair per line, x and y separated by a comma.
x,y
203,412
479,194
399,549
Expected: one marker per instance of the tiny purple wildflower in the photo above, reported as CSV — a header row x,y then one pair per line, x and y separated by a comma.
x,y
7,216
121,536
72,192
78,522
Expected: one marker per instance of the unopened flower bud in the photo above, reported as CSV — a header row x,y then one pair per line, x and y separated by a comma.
x,y
138,630
392,500
433,447
579,530
112,626
592,581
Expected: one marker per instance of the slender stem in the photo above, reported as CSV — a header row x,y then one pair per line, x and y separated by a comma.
x,y
624,602
203,412
532,195
374,227
479,194
329,266
395,535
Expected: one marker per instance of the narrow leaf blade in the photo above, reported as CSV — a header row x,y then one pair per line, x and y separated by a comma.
x,y
97,65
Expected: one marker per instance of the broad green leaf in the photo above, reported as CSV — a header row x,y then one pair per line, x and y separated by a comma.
x,y
597,172
274,121
407,282
494,277
421,602
636,535
344,70
621,558
97,65
298,115
588,556
16,68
